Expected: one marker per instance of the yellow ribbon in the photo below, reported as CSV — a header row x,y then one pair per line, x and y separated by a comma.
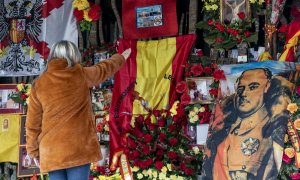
x,y
291,43
295,141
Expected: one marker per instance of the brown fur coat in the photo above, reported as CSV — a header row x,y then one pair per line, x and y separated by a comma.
x,y
60,126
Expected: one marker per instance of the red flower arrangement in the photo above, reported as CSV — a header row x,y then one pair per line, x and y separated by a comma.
x,y
158,147
227,35
86,13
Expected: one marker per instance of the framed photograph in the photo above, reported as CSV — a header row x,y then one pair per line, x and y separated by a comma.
x,y
149,16
26,165
7,105
22,140
199,89
230,9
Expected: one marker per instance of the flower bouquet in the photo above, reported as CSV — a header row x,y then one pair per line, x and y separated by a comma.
x,y
290,168
158,147
86,13
103,173
22,93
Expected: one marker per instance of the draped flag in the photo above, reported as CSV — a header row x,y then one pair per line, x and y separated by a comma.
x,y
153,69
291,42
9,137
28,29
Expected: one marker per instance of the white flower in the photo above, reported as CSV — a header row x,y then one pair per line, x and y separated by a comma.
x,y
135,169
202,109
196,149
140,176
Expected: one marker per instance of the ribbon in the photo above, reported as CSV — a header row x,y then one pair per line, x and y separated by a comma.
x,y
295,142
125,169
291,43
115,159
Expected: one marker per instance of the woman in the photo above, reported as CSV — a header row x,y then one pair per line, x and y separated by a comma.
x,y
60,127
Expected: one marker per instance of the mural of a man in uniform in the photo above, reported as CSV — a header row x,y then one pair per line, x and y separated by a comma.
x,y
245,139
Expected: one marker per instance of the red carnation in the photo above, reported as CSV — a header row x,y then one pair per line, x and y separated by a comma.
x,y
200,53
146,149
239,40
247,34
185,99
148,138
197,70
219,26
78,15
172,155
160,153
94,12
298,90
131,143
241,15
151,127
218,74
162,137
295,176
143,164
286,159
210,22
136,154
171,128
161,123
137,133
156,113
181,87
207,70
219,40
213,91
173,141
159,165
189,171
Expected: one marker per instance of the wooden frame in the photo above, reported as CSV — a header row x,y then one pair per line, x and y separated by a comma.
x,y
26,165
228,6
199,89
22,139
8,106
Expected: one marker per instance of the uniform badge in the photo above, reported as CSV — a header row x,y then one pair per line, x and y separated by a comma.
x,y
249,146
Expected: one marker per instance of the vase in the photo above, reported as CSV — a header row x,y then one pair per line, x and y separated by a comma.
x,y
24,109
105,155
85,38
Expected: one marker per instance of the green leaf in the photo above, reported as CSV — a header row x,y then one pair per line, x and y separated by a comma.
x,y
209,40
252,38
202,25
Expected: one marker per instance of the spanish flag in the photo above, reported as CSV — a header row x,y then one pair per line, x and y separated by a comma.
x,y
9,137
153,69
291,42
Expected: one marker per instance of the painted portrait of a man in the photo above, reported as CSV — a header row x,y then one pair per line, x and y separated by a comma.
x,y
5,125
245,139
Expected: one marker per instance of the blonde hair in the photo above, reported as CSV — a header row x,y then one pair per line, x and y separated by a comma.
x,y
65,50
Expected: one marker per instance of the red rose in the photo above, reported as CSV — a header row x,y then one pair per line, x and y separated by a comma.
x,y
131,143
185,99
151,127
197,70
173,141
160,153
172,155
188,74
207,70
136,163
214,66
213,91
161,123
126,151
156,113
181,87
218,74
200,53
298,90
219,26
136,154
94,12
210,22
171,128
162,137
241,15
159,165
148,121
78,15
143,164
219,39
295,176
186,65
146,150
139,119
239,40
286,159
149,161
182,166
189,171
247,34
23,96
137,133
148,138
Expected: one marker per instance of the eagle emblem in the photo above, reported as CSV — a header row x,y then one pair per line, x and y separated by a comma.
x,y
20,27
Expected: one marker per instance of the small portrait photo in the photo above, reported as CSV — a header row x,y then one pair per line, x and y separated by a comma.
x,y
230,9
5,125
199,89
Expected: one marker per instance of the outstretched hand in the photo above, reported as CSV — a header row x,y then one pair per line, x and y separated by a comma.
x,y
126,53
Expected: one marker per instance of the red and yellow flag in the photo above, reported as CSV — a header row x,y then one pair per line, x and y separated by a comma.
x,y
153,69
